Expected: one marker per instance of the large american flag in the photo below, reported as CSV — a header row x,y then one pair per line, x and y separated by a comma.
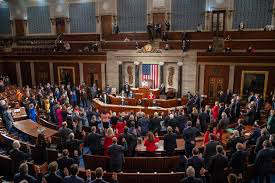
x,y
151,72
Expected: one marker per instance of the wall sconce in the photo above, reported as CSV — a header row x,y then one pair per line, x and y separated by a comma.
x,y
179,64
136,63
161,63
119,63
97,18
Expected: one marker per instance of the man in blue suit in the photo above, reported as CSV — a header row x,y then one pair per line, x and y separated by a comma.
x,y
99,174
116,153
73,178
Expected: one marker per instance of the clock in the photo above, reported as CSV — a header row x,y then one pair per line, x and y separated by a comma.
x,y
148,48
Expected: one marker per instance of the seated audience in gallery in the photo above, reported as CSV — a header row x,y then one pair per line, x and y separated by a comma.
x,y
210,48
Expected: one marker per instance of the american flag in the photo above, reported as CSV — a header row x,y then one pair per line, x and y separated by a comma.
x,y
150,72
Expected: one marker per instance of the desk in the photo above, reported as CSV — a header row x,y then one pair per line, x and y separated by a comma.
x,y
19,114
119,108
133,101
31,128
145,92
180,145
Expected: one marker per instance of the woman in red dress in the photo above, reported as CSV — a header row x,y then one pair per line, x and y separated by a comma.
x,y
108,140
206,135
218,132
150,142
151,96
120,126
215,112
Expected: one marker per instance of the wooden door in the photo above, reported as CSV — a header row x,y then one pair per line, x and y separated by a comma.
x,y
218,22
216,84
159,18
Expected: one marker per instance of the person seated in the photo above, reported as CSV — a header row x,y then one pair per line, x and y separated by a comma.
x,y
140,102
150,142
199,28
162,89
241,26
104,98
24,174
67,46
227,50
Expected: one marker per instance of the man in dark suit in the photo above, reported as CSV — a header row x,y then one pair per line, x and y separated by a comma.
x,y
131,141
52,176
210,149
64,162
250,115
196,162
189,135
94,142
221,110
216,166
99,174
170,141
232,110
237,107
259,143
17,156
64,133
73,178
190,172
238,160
233,140
24,174
155,123
263,162
73,144
116,153
197,101
258,107
127,89
222,97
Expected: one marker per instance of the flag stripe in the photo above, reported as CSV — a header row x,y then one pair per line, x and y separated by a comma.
x,y
150,72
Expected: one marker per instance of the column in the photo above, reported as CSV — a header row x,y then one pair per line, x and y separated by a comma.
x,y
51,73
18,74
136,74
32,74
201,78
103,75
120,77
81,72
180,79
161,75
231,77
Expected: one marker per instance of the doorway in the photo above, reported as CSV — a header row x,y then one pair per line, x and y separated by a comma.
x,y
218,23
216,84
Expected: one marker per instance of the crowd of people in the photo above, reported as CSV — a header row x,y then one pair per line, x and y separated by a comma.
x,y
117,134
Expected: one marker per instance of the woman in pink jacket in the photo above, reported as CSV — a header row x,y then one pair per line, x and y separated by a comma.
x,y
59,116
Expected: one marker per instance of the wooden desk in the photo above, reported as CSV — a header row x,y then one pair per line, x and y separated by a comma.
x,y
133,102
145,92
119,108
31,128
19,114
180,145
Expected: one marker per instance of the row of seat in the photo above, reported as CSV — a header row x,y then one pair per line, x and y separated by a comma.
x,y
135,164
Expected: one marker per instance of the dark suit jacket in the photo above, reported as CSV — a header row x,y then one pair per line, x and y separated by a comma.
x,y
19,177
259,143
250,116
73,179
197,163
170,142
210,150
232,142
94,142
17,158
64,133
238,161
116,154
155,124
263,161
131,143
216,167
191,180
53,178
64,162
189,134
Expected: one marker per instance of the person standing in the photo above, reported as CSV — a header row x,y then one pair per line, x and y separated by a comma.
x,y
189,135
170,141
116,153
216,166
